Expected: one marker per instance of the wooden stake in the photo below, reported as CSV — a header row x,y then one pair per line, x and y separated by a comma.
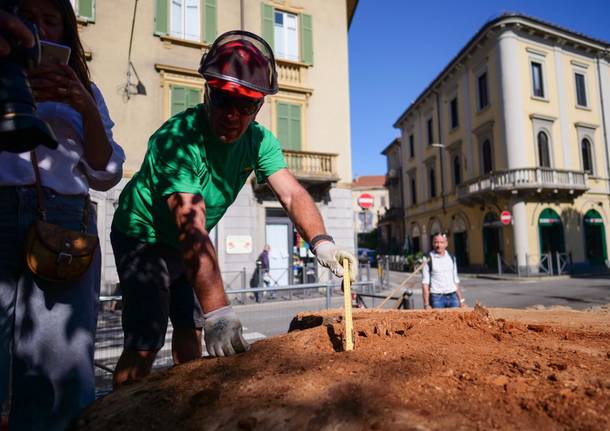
x,y
347,302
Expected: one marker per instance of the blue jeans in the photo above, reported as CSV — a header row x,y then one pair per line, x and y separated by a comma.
x,y
449,300
47,329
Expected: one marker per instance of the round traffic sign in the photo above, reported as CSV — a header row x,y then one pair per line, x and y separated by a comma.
x,y
506,218
366,200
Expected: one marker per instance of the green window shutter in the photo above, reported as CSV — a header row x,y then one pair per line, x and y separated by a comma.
x,y
289,126
177,99
86,9
306,39
283,124
193,97
295,127
267,24
161,17
210,30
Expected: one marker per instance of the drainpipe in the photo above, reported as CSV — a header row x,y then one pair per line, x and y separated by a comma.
x,y
440,150
241,14
601,98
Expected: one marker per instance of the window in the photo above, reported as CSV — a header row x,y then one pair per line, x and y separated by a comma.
x,y
587,159
84,9
290,35
182,98
486,153
482,88
581,89
430,132
432,179
185,19
411,146
537,80
544,159
413,190
289,125
382,201
453,108
457,170
286,35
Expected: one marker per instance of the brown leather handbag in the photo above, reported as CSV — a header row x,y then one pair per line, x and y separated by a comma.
x,y
55,253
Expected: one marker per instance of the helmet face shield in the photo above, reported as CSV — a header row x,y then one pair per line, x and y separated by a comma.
x,y
242,58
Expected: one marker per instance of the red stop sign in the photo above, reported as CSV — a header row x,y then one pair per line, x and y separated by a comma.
x,y
365,200
506,218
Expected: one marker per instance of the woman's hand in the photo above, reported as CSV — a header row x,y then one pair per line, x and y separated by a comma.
x,y
59,83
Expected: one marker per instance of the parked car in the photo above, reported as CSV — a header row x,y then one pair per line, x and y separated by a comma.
x,y
367,254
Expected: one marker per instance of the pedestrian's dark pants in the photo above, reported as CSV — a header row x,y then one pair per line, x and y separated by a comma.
x,y
154,287
444,300
47,330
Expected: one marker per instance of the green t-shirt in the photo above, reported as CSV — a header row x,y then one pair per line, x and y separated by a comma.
x,y
184,156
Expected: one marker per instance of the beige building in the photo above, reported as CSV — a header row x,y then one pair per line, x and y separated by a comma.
x,y
513,130
391,225
372,191
310,114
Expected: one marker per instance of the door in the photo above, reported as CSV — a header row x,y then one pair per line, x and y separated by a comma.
x,y
550,231
277,235
595,238
492,241
460,242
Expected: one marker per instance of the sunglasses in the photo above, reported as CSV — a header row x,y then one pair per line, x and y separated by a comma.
x,y
222,100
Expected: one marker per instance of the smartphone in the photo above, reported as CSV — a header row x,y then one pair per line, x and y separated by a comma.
x,y
54,53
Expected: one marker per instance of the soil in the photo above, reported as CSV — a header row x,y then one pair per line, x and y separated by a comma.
x,y
410,370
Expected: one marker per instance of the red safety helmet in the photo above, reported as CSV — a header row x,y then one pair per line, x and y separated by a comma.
x,y
240,62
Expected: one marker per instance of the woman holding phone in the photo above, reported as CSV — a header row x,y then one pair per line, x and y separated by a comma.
x,y
49,327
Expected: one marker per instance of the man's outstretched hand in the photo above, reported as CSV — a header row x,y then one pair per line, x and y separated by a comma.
x,y
329,257
223,333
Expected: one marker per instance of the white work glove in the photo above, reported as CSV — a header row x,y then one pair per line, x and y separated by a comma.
x,y
222,333
329,257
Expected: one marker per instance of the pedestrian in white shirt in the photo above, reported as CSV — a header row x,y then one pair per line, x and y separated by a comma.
x,y
47,329
440,281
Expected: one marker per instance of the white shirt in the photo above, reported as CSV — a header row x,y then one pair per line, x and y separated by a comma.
x,y
64,169
444,275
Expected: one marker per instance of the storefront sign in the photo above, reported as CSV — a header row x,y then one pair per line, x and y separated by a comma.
x,y
239,244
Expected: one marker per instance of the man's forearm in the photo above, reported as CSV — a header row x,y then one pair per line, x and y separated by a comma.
x,y
204,274
426,294
305,215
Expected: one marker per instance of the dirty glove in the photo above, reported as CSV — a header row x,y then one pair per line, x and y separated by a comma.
x,y
222,333
328,256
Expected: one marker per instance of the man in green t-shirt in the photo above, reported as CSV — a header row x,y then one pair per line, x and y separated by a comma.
x,y
194,168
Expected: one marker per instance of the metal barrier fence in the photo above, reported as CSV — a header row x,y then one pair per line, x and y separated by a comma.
x,y
259,320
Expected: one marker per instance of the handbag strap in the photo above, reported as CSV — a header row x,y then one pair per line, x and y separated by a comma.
x,y
40,200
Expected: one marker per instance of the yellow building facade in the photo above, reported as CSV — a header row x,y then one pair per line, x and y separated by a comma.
x,y
144,57
507,151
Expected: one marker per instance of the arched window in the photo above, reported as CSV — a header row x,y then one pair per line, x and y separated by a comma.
x,y
544,158
587,159
457,170
487,162
432,183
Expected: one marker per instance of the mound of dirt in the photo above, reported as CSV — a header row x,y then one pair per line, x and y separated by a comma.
x,y
410,370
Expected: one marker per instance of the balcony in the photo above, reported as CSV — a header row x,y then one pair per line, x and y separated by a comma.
x,y
394,213
315,171
292,76
532,183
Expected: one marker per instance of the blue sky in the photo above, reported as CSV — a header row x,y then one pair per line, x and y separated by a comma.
x,y
397,47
